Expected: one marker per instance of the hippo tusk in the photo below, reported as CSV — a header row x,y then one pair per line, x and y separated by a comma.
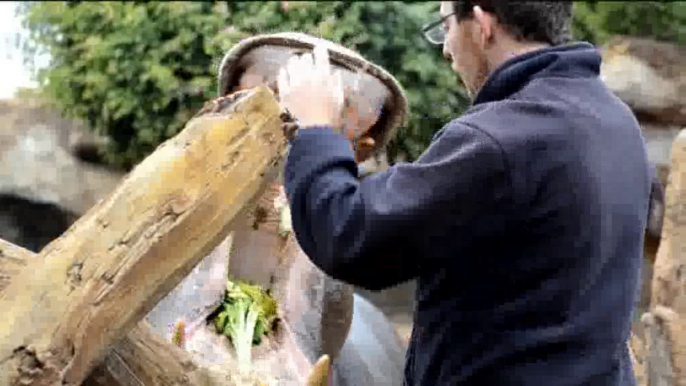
x,y
320,372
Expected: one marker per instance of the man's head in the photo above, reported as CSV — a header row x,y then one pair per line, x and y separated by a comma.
x,y
480,35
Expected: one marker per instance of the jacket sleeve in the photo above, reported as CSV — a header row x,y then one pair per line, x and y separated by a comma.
x,y
387,228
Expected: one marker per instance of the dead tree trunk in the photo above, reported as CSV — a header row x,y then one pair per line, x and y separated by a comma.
x,y
139,359
664,361
88,288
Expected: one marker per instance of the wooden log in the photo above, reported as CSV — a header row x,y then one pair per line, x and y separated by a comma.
x,y
142,358
88,288
666,321
637,350
12,259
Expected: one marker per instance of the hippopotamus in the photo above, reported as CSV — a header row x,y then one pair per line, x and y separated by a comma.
x,y
318,315
372,353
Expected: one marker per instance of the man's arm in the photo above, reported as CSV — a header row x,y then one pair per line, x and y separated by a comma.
x,y
379,232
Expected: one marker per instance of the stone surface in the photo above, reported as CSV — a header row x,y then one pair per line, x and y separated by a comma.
x,y
650,76
659,140
36,163
44,182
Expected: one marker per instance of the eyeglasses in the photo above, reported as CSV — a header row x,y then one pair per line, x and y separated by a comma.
x,y
435,32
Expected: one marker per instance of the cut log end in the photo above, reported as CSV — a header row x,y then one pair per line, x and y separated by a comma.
x,y
223,105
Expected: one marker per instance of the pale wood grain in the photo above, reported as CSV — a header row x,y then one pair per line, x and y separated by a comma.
x,y
88,288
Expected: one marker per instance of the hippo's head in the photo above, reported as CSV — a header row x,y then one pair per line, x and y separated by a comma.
x,y
315,310
375,106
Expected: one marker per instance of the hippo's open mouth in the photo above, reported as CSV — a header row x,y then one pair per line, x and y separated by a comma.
x,y
259,251
376,104
315,312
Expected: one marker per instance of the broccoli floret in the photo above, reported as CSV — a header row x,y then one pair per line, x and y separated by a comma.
x,y
247,314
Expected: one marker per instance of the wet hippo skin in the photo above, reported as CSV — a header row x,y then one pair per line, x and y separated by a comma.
x,y
372,353
319,315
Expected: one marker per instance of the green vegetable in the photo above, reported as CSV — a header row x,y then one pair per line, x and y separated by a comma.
x,y
247,315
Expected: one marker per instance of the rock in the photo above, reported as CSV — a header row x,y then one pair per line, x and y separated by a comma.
x,y
45,184
658,365
36,163
659,140
649,76
31,225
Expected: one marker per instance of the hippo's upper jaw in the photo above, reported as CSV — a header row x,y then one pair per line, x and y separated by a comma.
x,y
376,104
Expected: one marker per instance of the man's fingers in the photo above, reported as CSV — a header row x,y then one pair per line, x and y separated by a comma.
x,y
294,67
306,65
287,77
339,95
282,82
321,61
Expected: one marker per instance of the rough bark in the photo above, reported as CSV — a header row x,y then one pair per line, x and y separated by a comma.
x,y
659,369
142,358
638,359
88,288
12,259
666,322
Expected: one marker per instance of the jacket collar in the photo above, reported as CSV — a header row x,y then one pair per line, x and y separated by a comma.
x,y
577,60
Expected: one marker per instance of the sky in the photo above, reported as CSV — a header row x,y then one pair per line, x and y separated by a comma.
x,y
13,75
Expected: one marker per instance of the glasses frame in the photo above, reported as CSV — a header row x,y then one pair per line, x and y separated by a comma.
x,y
430,26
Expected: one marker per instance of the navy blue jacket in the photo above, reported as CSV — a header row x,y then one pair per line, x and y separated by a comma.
x,y
522,222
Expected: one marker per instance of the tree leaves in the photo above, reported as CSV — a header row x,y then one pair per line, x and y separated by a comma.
x,y
136,71
597,21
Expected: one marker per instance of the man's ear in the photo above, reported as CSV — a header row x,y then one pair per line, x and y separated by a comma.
x,y
485,23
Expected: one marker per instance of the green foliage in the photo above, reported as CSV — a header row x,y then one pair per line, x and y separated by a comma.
x,y
387,33
137,71
597,21
246,315
134,71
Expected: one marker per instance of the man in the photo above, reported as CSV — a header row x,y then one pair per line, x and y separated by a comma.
x,y
522,222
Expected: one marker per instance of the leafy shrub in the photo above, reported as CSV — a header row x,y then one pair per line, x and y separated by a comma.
x,y
136,72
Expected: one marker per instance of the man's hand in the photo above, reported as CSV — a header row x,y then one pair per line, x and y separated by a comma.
x,y
310,90
313,94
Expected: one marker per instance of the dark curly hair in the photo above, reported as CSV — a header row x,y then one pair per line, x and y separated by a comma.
x,y
532,21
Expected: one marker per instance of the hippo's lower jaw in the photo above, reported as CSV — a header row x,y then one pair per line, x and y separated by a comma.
x,y
315,311
276,361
